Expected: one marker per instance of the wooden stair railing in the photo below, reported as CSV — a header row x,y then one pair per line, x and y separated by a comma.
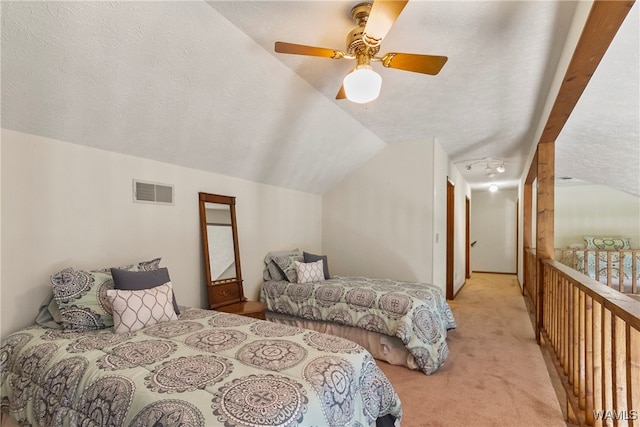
x,y
593,333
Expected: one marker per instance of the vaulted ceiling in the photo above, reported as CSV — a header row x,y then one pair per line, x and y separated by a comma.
x,y
198,84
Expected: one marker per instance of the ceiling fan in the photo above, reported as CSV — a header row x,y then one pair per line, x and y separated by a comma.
x,y
374,21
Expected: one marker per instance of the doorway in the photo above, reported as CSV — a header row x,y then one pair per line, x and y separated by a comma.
x,y
467,239
450,228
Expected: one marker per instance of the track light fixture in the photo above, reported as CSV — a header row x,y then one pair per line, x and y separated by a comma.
x,y
492,166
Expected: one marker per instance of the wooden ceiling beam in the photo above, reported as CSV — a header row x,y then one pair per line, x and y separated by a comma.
x,y
603,22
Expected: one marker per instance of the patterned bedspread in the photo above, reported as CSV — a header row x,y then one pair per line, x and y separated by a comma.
x,y
205,369
417,313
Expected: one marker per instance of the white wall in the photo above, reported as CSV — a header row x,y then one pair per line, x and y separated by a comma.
x,y
380,221
68,205
440,176
597,211
493,226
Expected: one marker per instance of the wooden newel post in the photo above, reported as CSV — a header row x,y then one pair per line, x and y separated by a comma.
x,y
544,222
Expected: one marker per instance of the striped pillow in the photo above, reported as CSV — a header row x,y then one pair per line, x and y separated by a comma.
x,y
133,310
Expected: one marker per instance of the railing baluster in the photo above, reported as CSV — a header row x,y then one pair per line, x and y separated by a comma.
x,y
597,362
570,322
554,309
583,351
609,269
634,274
565,309
634,374
575,380
620,368
621,271
588,365
607,364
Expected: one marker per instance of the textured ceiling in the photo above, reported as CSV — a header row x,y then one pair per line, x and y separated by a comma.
x,y
198,84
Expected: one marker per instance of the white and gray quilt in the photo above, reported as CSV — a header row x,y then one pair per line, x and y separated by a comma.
x,y
205,369
416,313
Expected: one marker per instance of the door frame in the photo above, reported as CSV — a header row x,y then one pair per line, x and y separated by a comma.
x,y
467,261
451,192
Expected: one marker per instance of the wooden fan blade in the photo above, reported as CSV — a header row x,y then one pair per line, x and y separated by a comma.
x,y
341,93
298,49
383,14
425,64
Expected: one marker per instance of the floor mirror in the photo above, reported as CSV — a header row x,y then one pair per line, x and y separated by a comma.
x,y
221,251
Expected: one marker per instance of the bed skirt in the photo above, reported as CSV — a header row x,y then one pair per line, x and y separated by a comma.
x,y
382,347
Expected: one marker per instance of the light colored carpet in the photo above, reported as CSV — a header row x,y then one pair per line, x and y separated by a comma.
x,y
495,374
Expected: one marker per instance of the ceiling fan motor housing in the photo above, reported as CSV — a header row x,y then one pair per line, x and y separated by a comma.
x,y
355,38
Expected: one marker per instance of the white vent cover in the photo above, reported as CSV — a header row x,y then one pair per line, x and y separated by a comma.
x,y
151,192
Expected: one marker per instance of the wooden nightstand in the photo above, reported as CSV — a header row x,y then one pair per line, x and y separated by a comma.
x,y
253,309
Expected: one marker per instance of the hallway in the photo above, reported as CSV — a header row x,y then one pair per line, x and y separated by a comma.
x,y
495,374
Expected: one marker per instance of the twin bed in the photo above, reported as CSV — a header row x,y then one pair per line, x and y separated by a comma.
x,y
402,323
198,368
111,347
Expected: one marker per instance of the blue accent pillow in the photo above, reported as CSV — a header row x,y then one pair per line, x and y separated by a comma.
x,y
140,280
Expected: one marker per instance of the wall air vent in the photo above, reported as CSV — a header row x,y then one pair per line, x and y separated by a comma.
x,y
151,192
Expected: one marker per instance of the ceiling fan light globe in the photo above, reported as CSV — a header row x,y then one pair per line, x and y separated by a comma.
x,y
362,85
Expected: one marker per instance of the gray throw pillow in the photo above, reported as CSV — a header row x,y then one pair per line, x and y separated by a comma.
x,y
314,258
140,280
274,271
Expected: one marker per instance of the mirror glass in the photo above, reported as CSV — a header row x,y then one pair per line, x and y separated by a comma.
x,y
222,257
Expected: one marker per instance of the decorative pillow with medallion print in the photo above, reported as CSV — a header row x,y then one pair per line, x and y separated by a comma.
x,y
607,243
286,263
82,296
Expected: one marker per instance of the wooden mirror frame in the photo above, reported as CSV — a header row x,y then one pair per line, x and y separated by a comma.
x,y
224,291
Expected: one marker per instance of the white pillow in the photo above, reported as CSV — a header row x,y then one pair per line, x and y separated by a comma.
x,y
310,271
133,310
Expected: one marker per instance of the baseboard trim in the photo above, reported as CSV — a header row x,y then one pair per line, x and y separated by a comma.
x,y
493,272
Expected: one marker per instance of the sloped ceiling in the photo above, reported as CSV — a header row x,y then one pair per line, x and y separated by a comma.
x,y
600,142
198,84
